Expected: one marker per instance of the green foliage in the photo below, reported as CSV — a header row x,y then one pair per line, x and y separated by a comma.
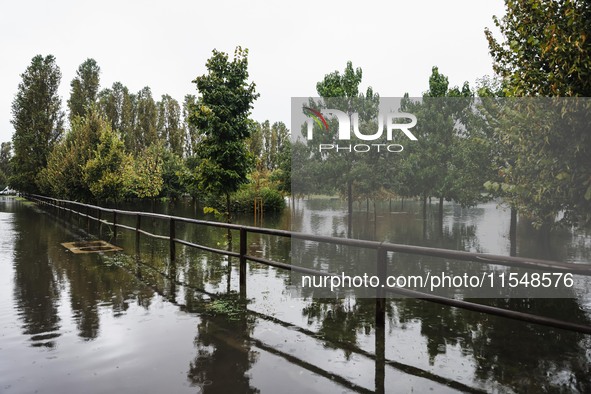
x,y
545,51
275,139
451,156
175,175
550,169
169,125
546,48
109,170
129,121
340,171
145,131
37,120
3,180
84,88
64,174
337,85
255,142
229,306
145,177
212,210
272,148
5,159
221,115
111,103
192,135
302,172
243,199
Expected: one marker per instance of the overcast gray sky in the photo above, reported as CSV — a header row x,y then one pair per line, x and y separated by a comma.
x,y
292,45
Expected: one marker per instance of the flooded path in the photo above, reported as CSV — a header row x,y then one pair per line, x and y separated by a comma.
x,y
97,323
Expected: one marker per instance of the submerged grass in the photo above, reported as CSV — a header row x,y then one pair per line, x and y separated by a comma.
x,y
230,306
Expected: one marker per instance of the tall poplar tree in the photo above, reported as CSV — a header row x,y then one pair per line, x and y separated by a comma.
x,y
37,120
146,126
84,88
170,128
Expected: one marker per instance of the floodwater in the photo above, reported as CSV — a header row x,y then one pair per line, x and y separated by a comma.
x,y
131,321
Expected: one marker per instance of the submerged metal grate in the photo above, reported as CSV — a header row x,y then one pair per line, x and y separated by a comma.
x,y
90,247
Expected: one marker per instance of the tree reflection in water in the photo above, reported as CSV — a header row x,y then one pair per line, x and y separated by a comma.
x,y
507,355
36,287
224,354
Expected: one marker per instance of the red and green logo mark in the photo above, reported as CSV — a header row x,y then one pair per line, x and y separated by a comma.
x,y
317,116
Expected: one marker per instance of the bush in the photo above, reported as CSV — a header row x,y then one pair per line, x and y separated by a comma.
x,y
243,200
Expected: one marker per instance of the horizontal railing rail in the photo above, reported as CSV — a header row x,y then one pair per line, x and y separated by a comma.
x,y
510,261
383,249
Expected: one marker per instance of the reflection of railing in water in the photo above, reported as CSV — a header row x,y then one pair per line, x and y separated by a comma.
x,y
383,249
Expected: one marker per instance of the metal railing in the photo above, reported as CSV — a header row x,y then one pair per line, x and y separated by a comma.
x,y
382,248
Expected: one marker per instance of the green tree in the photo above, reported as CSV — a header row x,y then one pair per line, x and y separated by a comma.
x,y
344,169
145,177
5,167
110,102
169,125
63,177
192,135
272,148
84,88
255,141
282,174
222,116
302,181
129,121
109,170
546,51
450,157
146,125
548,175
37,120
546,47
175,175
274,142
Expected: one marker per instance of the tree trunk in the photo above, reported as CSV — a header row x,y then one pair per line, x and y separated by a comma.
x,y
349,207
375,213
513,233
228,218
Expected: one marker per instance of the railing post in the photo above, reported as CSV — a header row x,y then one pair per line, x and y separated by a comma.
x,y
138,221
172,266
172,236
100,223
380,333
243,235
380,291
115,225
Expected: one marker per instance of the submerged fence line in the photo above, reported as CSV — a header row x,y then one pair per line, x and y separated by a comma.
x,y
382,248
